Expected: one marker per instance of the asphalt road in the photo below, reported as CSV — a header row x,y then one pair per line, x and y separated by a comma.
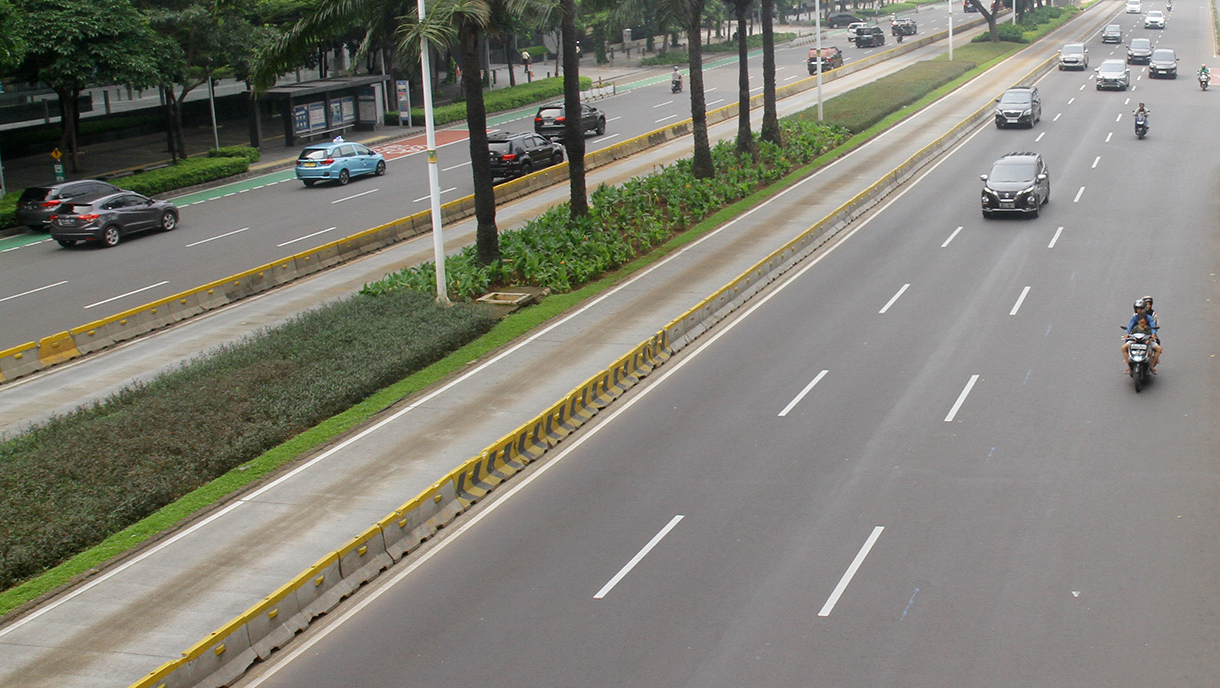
x,y
915,463
45,289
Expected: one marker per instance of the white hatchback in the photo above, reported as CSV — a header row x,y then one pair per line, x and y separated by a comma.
x,y
1133,7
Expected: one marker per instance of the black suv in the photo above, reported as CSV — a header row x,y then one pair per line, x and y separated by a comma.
x,y
516,155
870,37
38,203
550,120
1018,105
1018,183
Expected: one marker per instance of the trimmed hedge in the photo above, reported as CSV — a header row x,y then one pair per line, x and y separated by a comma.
x,y
8,209
752,43
250,153
186,173
69,483
863,107
497,100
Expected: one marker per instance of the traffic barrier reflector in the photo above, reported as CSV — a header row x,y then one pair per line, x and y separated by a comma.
x,y
270,624
363,558
418,520
222,657
57,348
168,675
319,588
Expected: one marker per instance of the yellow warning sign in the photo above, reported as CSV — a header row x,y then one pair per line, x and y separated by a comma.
x,y
56,154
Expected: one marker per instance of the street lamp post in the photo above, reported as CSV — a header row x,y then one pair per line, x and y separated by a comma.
x,y
817,8
434,175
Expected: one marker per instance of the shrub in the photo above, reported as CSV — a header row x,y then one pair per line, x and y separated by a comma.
x,y
496,101
71,482
623,221
250,153
863,107
668,57
186,173
752,43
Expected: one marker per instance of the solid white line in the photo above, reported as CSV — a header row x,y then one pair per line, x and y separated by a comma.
x,y
130,293
665,118
307,236
636,559
455,166
1078,194
961,398
25,293
1017,306
895,298
363,193
1055,238
800,396
951,237
1095,161
851,571
219,236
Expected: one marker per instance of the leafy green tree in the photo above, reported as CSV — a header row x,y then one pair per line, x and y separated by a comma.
x,y
12,37
75,43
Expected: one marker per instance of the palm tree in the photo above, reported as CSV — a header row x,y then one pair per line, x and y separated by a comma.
x,y
770,123
745,140
573,126
701,161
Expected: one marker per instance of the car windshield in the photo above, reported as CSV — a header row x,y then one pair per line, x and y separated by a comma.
x,y
1163,55
1016,97
1012,172
313,154
1141,44
1114,28
1111,68
1073,49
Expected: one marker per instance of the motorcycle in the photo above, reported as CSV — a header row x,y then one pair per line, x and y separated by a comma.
x,y
1141,125
1139,357
900,34
1204,80
675,86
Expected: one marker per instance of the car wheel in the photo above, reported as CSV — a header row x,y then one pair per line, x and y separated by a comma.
x,y
169,220
557,158
309,182
526,168
111,236
601,126
344,177
380,168
67,242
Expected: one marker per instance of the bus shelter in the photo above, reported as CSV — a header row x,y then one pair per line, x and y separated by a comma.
x,y
327,107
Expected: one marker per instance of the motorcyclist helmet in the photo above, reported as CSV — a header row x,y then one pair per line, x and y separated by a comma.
x,y
1138,305
1147,302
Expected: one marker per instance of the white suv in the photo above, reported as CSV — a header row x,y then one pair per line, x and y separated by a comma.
x,y
1133,7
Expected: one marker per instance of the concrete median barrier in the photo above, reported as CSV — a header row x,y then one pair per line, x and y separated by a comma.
x,y
18,361
270,624
221,658
364,557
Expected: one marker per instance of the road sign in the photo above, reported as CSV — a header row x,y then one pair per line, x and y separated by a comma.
x,y
56,154
59,172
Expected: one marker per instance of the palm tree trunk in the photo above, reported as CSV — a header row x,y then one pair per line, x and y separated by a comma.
x,y
770,123
701,163
745,140
573,127
487,235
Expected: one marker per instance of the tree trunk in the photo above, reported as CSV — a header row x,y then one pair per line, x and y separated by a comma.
x,y
745,140
510,47
67,122
770,123
167,94
573,126
701,163
487,235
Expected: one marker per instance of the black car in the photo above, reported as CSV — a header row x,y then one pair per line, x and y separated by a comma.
x,y
1019,105
516,155
1164,63
110,218
1018,183
550,120
830,58
38,203
968,6
1113,33
902,26
840,19
1139,51
870,37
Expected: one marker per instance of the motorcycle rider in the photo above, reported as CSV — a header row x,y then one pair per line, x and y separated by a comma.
x,y
1141,110
1142,327
675,80
1143,311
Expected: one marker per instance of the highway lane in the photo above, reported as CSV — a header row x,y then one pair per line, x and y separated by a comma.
x,y
1052,528
46,289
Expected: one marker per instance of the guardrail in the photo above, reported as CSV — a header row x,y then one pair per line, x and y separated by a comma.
x,y
32,357
225,654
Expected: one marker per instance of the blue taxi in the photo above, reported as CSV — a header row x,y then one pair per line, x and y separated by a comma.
x,y
338,161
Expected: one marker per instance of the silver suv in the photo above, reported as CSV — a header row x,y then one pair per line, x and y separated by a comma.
x,y
1073,56
1018,183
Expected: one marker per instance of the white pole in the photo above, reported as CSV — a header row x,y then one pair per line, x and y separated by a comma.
x,y
951,29
434,174
817,8
212,105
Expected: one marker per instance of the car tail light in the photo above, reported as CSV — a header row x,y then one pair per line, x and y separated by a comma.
x,y
537,118
328,161
508,157
88,218
560,118
51,204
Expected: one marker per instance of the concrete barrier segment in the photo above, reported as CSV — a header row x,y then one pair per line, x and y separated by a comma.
x,y
361,559
274,621
319,588
19,360
418,520
220,658
165,676
56,349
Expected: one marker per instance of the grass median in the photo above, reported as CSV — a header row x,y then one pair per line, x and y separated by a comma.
x,y
66,477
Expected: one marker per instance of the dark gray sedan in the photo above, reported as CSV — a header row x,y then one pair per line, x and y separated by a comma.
x,y
110,218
